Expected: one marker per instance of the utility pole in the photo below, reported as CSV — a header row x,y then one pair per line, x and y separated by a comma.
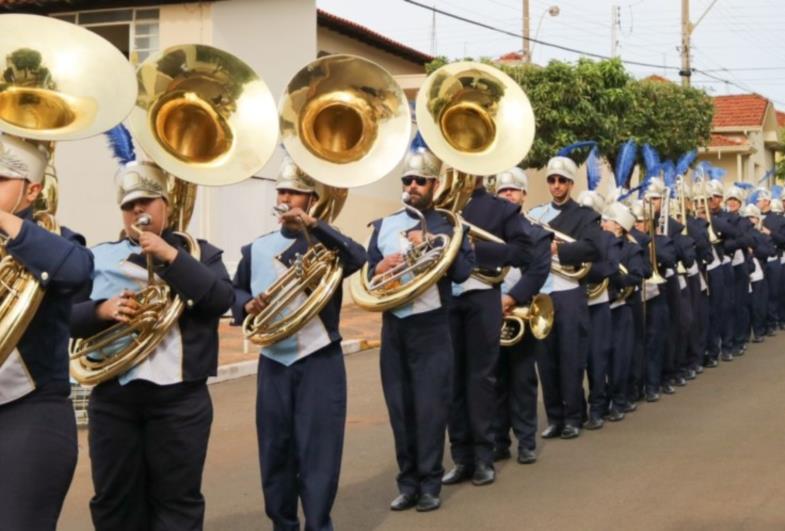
x,y
686,32
615,27
527,58
433,31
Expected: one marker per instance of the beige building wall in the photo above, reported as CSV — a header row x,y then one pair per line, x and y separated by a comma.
x,y
329,41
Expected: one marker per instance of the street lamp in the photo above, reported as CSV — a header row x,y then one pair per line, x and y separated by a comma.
x,y
552,11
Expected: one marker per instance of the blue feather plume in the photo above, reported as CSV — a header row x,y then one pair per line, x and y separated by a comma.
x,y
716,174
625,162
776,191
566,150
683,164
121,143
744,186
766,176
628,194
651,159
753,197
669,176
701,171
418,142
593,169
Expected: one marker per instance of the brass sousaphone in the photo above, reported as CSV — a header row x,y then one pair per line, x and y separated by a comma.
x,y
60,82
345,122
207,118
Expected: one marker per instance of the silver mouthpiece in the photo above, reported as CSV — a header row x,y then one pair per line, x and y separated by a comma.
x,y
405,197
280,209
144,220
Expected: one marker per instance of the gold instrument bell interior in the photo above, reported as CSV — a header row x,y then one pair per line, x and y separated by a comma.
x,y
475,118
60,81
204,115
345,121
538,316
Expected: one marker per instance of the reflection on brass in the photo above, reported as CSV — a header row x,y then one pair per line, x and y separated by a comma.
x,y
538,315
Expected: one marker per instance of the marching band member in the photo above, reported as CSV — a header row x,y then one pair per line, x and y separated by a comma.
x,y
563,361
761,249
301,395
517,375
740,319
637,380
697,229
775,225
475,325
416,357
600,327
38,445
617,220
149,427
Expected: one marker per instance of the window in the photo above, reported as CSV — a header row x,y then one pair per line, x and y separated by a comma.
x,y
133,31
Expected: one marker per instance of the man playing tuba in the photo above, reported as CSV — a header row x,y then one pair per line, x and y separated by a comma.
x,y
38,444
301,399
150,425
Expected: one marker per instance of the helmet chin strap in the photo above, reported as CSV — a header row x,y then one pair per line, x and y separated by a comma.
x,y
19,199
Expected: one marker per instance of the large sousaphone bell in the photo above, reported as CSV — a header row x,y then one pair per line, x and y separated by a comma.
x,y
59,82
345,122
205,117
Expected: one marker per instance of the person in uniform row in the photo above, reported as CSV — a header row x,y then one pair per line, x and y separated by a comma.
x,y
775,225
416,356
637,378
301,391
617,220
762,248
600,329
563,361
38,445
697,229
149,426
740,317
475,328
517,374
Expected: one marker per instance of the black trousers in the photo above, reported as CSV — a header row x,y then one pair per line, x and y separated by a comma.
x,y
728,331
37,457
657,321
475,328
684,326
781,296
563,360
741,306
600,347
773,271
674,340
517,394
696,338
620,366
759,307
147,449
416,365
716,279
635,383
300,419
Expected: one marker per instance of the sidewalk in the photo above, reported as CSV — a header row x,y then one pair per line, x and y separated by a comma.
x,y
360,331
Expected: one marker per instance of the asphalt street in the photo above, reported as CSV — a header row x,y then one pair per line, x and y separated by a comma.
x,y
711,457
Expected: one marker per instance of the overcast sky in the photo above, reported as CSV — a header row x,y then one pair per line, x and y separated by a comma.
x,y
739,41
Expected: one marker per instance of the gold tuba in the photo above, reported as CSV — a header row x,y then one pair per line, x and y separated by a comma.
x,y
60,82
564,271
538,315
478,121
205,117
345,122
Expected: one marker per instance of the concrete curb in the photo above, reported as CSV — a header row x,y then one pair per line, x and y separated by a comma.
x,y
232,371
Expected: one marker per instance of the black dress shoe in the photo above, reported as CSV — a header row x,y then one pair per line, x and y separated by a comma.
x,y
652,397
614,415
630,407
727,357
680,381
668,389
458,474
526,456
699,369
757,339
428,502
594,423
711,363
570,432
500,454
403,502
691,374
771,333
483,474
739,353
552,431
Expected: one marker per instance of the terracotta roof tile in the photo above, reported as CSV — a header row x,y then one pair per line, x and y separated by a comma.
x,y
657,79
511,56
357,31
781,119
718,140
739,110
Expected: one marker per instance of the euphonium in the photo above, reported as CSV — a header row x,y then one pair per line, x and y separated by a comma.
x,y
345,122
192,118
60,82
564,271
656,277
538,315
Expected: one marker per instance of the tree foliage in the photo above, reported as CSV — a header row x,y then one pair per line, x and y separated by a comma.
x,y
601,101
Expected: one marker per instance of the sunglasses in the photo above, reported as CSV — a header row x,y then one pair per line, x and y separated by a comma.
x,y
410,178
558,179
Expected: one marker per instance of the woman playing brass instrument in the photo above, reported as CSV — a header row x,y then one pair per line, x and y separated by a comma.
x,y
149,425
38,445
